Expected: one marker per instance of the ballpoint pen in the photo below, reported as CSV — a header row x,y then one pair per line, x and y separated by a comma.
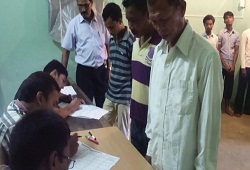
x,y
91,140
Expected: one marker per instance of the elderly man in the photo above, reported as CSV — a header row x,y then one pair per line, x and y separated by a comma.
x,y
185,93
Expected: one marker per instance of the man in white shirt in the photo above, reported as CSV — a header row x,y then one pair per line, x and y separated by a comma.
x,y
185,93
228,47
89,38
208,22
244,78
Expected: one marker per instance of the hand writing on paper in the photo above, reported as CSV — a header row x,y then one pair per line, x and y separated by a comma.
x,y
75,103
73,144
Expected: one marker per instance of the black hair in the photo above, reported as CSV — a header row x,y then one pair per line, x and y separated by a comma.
x,y
55,64
113,11
208,17
228,13
170,2
37,81
138,4
35,137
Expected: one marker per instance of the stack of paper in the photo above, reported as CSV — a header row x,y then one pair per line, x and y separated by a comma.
x,y
89,112
68,90
90,159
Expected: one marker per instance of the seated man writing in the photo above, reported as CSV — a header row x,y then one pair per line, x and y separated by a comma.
x,y
60,74
38,91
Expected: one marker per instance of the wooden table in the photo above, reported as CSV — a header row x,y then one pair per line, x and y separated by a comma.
x,y
113,142
76,124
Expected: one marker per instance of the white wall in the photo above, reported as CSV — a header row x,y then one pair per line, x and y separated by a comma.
x,y
217,8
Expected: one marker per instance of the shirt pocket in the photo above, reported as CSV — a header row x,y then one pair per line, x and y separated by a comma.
x,y
182,97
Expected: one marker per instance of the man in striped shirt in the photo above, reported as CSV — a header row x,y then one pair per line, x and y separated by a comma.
x,y
117,100
143,49
38,91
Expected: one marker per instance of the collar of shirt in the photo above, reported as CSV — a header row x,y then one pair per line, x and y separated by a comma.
x,y
226,31
182,42
81,19
207,36
125,36
19,104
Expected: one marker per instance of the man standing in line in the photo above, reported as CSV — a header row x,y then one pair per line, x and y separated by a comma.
x,y
228,47
185,93
142,55
244,78
118,96
88,36
208,22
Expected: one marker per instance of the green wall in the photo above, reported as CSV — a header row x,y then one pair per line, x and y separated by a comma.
x,y
25,44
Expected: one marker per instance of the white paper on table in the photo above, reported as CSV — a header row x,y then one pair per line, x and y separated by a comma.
x,y
89,112
68,90
91,159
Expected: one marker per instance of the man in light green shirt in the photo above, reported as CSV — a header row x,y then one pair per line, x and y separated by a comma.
x,y
185,94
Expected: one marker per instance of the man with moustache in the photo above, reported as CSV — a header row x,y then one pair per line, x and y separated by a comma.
x,y
185,93
88,36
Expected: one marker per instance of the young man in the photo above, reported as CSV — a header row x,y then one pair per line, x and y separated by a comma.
x,y
185,93
40,141
88,36
228,47
118,96
244,78
38,91
208,22
143,49
60,74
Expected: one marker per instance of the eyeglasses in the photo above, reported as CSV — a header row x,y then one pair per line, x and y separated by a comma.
x,y
71,161
86,6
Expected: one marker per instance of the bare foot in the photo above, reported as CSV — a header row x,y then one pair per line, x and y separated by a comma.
x,y
237,114
229,111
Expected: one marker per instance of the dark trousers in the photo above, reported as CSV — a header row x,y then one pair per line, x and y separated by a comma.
x,y
93,82
228,83
243,87
138,137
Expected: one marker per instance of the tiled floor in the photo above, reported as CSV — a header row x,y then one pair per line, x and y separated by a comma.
x,y
234,148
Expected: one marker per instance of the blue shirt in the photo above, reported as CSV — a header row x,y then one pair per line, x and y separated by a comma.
x,y
88,40
228,41
119,90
